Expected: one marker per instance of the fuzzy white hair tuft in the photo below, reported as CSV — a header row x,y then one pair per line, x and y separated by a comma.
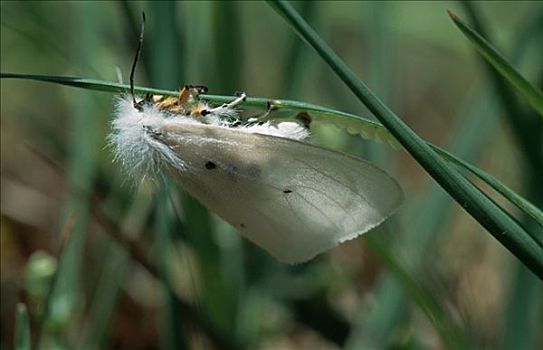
x,y
132,141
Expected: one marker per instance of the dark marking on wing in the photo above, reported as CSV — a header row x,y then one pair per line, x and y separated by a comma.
x,y
287,191
210,165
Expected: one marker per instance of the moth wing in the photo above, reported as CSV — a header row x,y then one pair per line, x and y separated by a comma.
x,y
294,199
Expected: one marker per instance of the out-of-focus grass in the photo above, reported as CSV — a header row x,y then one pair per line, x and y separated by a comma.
x,y
532,94
248,298
22,329
172,326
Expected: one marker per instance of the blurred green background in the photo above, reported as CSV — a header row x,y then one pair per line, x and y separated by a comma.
x,y
136,269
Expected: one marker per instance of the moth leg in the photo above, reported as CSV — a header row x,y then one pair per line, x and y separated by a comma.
x,y
260,119
242,96
266,114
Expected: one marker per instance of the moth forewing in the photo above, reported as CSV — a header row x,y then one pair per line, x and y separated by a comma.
x,y
292,198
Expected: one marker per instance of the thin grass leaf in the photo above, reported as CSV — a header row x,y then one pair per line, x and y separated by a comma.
x,y
532,94
487,213
89,84
22,328
527,128
286,109
282,108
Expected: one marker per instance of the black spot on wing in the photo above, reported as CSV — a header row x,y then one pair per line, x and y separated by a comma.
x,y
210,165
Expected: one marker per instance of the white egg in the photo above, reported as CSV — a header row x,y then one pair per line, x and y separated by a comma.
x,y
292,198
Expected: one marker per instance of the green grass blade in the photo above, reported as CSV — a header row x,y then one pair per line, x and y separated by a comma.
x,y
532,94
282,108
488,214
22,328
89,84
527,128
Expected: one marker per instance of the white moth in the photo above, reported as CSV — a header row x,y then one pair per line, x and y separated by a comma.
x,y
292,198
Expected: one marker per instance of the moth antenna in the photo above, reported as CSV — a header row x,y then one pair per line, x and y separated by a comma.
x,y
133,70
